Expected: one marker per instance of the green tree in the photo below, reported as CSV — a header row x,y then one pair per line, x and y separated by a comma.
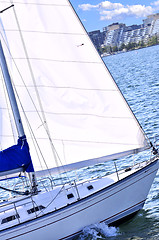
x,y
153,41
115,49
141,44
123,46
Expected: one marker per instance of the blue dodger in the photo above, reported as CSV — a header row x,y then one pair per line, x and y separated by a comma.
x,y
16,156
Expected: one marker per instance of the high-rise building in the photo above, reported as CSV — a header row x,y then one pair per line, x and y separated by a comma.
x,y
96,37
117,34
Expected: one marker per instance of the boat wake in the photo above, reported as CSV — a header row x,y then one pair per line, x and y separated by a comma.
x,y
98,231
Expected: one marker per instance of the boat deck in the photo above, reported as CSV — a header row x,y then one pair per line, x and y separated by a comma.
x,y
21,209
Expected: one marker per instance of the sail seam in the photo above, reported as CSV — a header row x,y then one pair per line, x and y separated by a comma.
x,y
74,88
40,32
80,114
39,4
55,60
70,140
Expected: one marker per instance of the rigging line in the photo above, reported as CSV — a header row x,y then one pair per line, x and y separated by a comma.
x,y
29,127
53,198
37,93
9,113
14,191
7,8
55,154
106,68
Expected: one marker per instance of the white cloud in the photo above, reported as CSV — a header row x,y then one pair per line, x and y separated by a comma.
x,y
108,15
110,11
140,10
87,6
105,5
109,5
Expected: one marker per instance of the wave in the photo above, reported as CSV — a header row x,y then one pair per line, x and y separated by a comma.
x,y
98,231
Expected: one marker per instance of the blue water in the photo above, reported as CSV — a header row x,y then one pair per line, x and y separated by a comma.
x,y
137,75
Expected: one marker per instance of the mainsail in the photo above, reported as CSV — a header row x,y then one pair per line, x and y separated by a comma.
x,y
72,110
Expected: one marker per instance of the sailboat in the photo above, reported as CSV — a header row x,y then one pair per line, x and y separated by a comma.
x,y
61,111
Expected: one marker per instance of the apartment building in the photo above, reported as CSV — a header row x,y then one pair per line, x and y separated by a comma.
x,y
117,33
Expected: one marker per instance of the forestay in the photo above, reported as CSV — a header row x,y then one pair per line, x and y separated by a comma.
x,y
70,100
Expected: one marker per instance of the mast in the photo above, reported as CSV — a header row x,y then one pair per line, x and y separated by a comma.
x,y
11,94
14,107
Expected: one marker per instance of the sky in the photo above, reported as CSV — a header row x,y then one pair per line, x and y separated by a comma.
x,y
96,14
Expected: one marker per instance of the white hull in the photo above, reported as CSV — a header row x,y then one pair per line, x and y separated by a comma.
x,y
110,204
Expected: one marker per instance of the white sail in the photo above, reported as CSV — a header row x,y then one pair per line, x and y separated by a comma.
x,y
76,112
